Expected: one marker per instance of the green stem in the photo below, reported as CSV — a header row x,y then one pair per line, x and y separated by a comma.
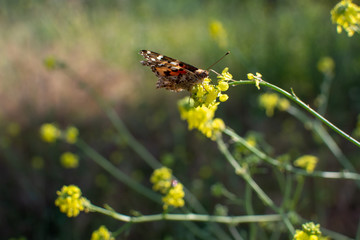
x,y
246,176
263,156
104,163
325,92
186,217
294,98
250,210
325,136
297,193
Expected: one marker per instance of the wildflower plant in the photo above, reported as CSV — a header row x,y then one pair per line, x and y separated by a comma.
x,y
242,154
200,110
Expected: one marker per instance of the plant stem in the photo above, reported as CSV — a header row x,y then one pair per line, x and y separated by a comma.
x,y
294,98
246,176
263,156
118,174
327,139
187,217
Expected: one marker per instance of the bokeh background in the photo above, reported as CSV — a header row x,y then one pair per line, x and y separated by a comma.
x,y
100,41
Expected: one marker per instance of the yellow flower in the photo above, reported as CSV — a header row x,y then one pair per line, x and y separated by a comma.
x,y
250,76
218,125
347,16
283,104
251,140
70,201
49,132
326,65
161,178
309,231
102,234
223,86
71,135
269,102
201,118
207,93
172,190
257,79
308,162
199,112
175,197
218,33
69,160
225,75
223,97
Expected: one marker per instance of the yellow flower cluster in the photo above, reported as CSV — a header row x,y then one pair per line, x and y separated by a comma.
x,y
175,196
206,94
309,231
161,178
271,100
347,16
326,65
172,190
49,132
102,234
71,134
201,118
308,162
199,111
69,160
70,201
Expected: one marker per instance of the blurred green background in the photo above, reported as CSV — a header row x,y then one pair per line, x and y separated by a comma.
x,y
100,41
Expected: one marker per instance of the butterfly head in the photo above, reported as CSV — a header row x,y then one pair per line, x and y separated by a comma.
x,y
202,73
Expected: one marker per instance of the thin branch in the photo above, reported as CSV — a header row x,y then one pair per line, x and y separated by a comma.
x,y
232,220
294,98
288,167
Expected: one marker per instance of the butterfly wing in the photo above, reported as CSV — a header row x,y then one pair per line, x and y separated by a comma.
x,y
173,74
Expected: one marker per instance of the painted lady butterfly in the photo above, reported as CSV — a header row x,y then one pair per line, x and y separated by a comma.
x,y
173,74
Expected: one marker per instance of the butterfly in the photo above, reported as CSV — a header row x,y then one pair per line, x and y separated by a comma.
x,y
174,75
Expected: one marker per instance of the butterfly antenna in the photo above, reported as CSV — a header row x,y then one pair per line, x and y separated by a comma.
x,y
227,53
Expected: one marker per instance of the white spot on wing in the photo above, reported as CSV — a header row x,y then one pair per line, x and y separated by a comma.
x,y
160,57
